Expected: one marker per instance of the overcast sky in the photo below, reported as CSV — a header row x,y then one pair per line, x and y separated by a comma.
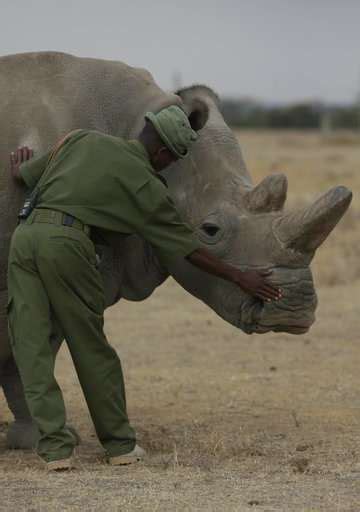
x,y
275,50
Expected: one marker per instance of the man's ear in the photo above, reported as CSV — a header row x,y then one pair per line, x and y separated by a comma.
x,y
169,154
164,152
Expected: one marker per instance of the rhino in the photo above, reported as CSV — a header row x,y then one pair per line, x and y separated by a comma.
x,y
47,94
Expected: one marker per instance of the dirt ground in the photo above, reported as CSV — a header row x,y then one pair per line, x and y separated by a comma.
x,y
231,422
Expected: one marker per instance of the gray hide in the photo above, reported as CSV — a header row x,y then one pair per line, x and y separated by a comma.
x,y
45,95
247,227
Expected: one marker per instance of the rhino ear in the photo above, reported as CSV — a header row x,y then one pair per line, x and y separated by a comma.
x,y
198,115
195,105
269,195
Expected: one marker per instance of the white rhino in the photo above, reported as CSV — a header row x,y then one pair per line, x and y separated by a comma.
x,y
45,95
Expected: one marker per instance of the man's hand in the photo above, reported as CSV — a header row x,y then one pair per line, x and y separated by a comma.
x,y
251,281
18,157
256,284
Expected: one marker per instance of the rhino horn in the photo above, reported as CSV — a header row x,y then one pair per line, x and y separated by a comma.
x,y
306,229
269,195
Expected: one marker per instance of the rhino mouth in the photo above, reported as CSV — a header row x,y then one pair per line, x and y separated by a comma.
x,y
262,318
294,313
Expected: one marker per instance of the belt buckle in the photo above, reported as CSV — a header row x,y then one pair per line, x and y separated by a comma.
x,y
68,220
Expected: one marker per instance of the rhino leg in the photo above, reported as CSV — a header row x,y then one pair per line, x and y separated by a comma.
x,y
23,433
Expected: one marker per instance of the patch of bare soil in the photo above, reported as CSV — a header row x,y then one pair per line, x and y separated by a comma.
x,y
231,422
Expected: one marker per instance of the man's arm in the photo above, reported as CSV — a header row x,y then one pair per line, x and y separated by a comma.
x,y
30,174
251,281
173,239
25,169
18,157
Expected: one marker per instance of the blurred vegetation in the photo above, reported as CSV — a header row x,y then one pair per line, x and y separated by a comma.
x,y
245,113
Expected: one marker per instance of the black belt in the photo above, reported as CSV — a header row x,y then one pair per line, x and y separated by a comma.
x,y
58,218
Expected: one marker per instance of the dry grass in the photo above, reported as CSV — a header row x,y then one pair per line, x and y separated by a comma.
x,y
314,163
231,422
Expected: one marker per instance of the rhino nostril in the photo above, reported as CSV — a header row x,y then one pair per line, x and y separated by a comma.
x,y
210,229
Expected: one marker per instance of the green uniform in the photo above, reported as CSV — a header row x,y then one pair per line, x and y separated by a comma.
x,y
104,182
109,183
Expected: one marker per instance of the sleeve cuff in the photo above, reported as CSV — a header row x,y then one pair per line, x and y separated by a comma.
x,y
169,257
26,175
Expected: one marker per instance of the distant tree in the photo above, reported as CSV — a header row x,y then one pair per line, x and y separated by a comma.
x,y
345,117
247,113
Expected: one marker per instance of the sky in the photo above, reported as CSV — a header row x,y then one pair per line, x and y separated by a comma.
x,y
273,50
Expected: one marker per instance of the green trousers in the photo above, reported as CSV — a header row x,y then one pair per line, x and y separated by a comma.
x,y
52,277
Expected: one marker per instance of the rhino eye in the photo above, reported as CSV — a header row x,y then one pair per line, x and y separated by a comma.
x,y
210,229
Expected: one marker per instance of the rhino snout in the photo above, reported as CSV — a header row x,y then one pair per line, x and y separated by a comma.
x,y
294,313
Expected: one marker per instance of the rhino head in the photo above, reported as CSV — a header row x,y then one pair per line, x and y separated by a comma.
x,y
247,227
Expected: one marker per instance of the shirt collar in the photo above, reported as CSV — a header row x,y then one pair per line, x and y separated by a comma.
x,y
144,153
138,146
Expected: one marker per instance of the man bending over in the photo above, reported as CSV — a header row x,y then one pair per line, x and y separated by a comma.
x,y
93,180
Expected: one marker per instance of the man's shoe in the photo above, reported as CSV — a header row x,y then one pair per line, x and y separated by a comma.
x,y
60,465
136,455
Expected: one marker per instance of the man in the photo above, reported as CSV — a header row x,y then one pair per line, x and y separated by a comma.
x,y
98,181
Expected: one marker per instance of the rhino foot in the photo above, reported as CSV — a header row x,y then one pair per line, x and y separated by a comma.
x,y
22,436
25,435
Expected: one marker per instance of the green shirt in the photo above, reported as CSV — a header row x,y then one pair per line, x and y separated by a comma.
x,y
108,183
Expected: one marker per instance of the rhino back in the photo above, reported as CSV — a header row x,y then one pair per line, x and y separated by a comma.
x,y
44,95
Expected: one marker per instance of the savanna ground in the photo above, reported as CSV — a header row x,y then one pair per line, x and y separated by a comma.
x,y
231,422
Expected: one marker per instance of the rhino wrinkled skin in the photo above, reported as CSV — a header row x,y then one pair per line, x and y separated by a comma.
x,y
45,95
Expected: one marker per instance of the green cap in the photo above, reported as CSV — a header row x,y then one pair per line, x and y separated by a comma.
x,y
173,126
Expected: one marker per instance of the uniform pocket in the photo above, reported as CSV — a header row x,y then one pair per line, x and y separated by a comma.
x,y
83,243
